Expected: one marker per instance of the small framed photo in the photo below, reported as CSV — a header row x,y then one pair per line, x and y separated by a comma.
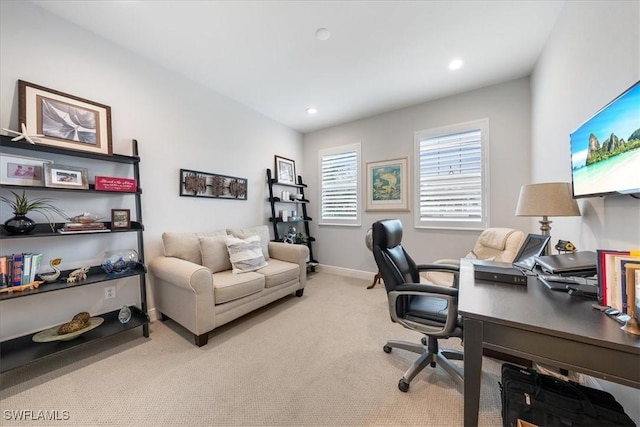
x,y
18,170
120,219
285,170
388,185
59,176
64,121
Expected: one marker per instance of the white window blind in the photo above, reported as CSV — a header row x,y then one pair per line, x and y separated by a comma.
x,y
340,185
452,191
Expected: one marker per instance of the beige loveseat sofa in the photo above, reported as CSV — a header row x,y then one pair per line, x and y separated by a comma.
x,y
197,285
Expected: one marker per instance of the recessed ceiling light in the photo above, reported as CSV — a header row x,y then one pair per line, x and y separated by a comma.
x,y
322,34
456,64
312,110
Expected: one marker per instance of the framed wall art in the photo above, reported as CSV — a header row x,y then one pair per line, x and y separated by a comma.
x,y
18,170
59,176
64,121
285,170
120,219
204,184
388,185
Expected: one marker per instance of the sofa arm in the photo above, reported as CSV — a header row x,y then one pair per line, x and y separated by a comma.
x,y
183,274
297,254
184,291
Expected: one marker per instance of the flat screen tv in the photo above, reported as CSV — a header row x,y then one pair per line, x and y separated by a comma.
x,y
605,150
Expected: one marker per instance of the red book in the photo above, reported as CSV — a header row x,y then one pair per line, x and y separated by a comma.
x,y
113,183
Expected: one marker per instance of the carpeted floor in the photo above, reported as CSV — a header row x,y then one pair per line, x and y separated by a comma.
x,y
310,361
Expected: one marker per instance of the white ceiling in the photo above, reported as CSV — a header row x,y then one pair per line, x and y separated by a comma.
x,y
381,55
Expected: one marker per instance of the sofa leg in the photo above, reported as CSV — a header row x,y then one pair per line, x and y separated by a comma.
x,y
299,292
201,339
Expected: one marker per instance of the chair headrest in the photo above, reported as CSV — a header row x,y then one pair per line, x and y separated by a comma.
x,y
387,233
495,237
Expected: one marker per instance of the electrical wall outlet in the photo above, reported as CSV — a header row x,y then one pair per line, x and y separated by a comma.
x,y
109,292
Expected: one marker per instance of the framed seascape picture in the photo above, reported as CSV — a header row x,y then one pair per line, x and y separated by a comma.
x,y
64,121
388,185
59,176
18,170
203,184
285,170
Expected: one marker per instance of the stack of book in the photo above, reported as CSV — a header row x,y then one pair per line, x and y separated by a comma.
x,y
18,269
83,227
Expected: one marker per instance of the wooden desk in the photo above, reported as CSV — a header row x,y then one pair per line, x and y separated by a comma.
x,y
541,325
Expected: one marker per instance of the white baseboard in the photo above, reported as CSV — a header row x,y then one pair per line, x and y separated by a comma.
x,y
340,271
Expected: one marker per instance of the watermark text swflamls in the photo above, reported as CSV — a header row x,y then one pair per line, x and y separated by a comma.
x,y
36,415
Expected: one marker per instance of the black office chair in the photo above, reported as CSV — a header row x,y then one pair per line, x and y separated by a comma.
x,y
426,308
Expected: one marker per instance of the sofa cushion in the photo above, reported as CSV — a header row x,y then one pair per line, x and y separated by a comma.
x,y
186,245
228,286
215,255
279,272
261,230
245,254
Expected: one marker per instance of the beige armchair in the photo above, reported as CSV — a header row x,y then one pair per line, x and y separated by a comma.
x,y
496,244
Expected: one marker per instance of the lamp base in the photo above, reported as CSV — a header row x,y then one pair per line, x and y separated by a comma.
x,y
545,230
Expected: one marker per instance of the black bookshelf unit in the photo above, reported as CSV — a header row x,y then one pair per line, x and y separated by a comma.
x,y
22,350
277,221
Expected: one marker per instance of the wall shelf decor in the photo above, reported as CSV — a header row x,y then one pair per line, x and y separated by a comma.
x,y
22,350
285,204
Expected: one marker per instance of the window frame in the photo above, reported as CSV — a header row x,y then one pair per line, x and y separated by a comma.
x,y
357,221
483,126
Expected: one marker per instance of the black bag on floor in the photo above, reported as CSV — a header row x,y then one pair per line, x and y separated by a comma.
x,y
547,401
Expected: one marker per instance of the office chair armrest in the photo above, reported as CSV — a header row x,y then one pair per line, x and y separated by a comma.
x,y
451,269
426,288
447,268
449,261
435,329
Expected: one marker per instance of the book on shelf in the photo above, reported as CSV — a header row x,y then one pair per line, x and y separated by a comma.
x,y
36,261
4,272
79,227
79,231
16,273
26,268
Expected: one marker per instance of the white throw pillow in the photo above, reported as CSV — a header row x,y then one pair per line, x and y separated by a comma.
x,y
245,254
261,230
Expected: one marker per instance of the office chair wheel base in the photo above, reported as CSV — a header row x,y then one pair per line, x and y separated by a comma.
x,y
432,364
386,349
403,385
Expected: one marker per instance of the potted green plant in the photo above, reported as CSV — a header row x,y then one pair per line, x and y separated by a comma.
x,y
22,205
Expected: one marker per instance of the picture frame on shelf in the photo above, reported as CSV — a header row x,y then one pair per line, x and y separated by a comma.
x,y
210,185
285,170
120,219
19,170
62,120
388,185
60,176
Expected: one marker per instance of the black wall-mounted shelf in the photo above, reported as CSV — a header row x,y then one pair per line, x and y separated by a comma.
x,y
22,350
276,220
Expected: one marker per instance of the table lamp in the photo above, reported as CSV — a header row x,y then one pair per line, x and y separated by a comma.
x,y
545,200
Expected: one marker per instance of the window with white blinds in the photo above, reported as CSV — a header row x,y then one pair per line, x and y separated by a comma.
x,y
452,190
340,185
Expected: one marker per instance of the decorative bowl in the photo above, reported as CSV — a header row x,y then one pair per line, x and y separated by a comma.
x,y
119,262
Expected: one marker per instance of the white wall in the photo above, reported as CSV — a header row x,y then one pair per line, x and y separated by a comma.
x,y
177,123
592,56
391,135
